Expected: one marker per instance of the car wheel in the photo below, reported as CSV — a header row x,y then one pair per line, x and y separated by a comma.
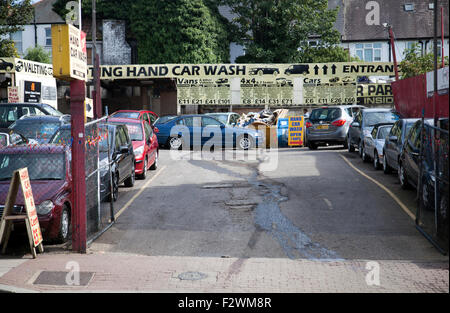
x,y
312,145
443,208
245,142
402,177
386,168
349,145
260,73
175,143
275,73
345,144
427,195
144,171
155,164
376,160
64,225
129,182
364,156
115,189
360,149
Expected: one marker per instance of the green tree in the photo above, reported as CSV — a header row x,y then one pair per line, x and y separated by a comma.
x,y
13,15
414,63
38,54
279,31
175,31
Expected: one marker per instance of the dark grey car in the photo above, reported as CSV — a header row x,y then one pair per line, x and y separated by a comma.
x,y
363,124
393,145
329,125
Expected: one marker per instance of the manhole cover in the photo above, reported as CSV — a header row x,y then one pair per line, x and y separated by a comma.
x,y
63,278
192,276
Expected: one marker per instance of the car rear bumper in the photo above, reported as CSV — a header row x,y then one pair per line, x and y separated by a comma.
x,y
340,135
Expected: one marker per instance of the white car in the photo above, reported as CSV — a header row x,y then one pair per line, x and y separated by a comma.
x,y
374,144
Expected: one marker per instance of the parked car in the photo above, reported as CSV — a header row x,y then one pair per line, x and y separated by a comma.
x,y
145,144
363,123
10,137
393,145
297,69
121,155
206,128
40,128
51,181
144,115
329,126
374,144
11,112
165,118
229,118
409,163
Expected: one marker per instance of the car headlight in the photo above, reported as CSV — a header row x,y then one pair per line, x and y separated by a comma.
x,y
138,152
45,207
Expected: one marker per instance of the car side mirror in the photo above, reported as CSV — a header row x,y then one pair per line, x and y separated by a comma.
x,y
222,126
124,149
393,138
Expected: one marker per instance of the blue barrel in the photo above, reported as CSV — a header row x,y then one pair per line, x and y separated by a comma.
x,y
283,132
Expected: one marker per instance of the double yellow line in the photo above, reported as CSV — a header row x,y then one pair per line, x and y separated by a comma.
x,y
390,193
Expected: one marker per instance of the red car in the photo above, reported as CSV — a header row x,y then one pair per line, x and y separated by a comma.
x,y
145,144
51,183
142,115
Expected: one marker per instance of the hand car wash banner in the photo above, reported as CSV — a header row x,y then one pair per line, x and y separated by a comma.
x,y
256,84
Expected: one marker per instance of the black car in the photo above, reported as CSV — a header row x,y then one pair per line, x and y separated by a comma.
x,y
393,145
6,66
409,163
11,112
121,155
264,71
40,128
297,69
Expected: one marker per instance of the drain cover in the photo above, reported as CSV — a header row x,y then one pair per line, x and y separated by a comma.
x,y
192,276
59,278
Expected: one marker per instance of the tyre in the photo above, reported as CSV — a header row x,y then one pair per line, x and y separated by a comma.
x,y
129,182
349,145
275,73
260,73
427,195
402,176
143,175
245,142
115,189
175,143
360,149
64,225
345,144
155,164
364,155
376,160
386,167
312,145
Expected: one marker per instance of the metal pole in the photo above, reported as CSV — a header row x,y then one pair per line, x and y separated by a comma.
x,y
435,133
96,65
79,13
391,35
442,36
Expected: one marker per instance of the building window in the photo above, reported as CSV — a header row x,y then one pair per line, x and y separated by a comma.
x,y
48,36
431,6
369,52
409,7
17,38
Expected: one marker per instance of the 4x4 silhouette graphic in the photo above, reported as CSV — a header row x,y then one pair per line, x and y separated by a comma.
x,y
297,69
264,71
6,66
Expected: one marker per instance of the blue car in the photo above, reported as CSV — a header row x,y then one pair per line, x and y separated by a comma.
x,y
198,130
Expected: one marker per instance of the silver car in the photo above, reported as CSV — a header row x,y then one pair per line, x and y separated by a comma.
x,y
228,118
374,144
329,125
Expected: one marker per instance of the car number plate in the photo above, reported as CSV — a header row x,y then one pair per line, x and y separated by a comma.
x,y
322,127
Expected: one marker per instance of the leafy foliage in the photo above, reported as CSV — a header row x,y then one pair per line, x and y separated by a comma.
x,y
175,31
415,63
13,14
38,54
279,31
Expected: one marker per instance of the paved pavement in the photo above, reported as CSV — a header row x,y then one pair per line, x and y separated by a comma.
x,y
311,225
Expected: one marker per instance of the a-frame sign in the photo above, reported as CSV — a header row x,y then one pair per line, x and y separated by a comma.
x,y
20,177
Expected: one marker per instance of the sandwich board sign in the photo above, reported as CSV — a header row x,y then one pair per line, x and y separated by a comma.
x,y
21,178
296,130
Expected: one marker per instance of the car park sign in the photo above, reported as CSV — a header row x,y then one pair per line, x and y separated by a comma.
x,y
69,52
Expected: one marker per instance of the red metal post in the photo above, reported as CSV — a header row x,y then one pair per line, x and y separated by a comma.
x,y
391,36
77,111
442,36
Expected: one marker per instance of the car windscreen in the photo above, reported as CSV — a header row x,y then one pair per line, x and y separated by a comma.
x,y
41,166
134,130
372,118
383,132
42,132
164,119
127,114
325,115
51,110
